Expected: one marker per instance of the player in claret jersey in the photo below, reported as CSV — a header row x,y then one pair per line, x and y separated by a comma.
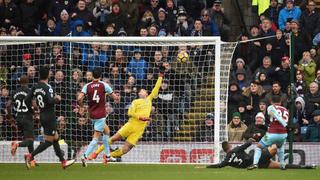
x,y
277,132
96,93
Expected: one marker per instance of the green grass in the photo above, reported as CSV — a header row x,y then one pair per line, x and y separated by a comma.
x,y
148,172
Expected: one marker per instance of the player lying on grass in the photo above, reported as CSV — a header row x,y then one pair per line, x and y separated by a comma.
x,y
139,116
239,158
96,91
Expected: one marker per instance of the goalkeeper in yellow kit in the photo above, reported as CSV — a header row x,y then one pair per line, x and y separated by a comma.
x,y
139,115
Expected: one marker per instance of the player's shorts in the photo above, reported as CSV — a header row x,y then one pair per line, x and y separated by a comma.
x,y
49,123
132,132
99,124
270,138
25,125
265,158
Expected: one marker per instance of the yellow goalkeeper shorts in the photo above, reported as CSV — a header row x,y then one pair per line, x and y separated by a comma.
x,y
132,132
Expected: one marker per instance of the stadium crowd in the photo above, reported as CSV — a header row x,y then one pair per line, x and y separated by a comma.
x,y
260,68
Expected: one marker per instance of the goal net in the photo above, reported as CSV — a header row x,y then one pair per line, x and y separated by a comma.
x,y
189,116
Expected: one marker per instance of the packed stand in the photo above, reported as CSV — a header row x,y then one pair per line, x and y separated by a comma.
x,y
261,69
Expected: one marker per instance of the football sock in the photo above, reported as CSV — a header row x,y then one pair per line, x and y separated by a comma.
x,y
100,149
117,153
105,140
257,155
41,147
280,153
91,147
27,143
57,150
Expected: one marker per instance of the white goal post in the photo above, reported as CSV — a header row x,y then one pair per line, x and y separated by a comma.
x,y
189,140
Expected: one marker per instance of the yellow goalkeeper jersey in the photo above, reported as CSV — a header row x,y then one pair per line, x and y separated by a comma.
x,y
142,107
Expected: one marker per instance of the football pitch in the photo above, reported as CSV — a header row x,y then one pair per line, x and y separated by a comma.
x,y
148,172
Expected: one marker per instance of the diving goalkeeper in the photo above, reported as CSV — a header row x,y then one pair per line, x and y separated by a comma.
x,y
139,116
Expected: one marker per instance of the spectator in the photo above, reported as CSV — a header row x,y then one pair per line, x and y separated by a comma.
x,y
154,7
290,12
172,11
162,22
263,105
300,84
300,118
313,131
266,67
119,60
89,77
147,19
256,130
115,78
266,28
132,14
29,12
300,38
101,12
264,81
198,29
308,67
317,80
59,87
94,58
165,105
234,98
241,79
56,7
143,32
50,28
118,18
245,116
217,14
312,99
138,66
252,96
273,11
269,51
310,20
10,14
279,46
82,13
315,55
64,24
182,26
282,73
236,128
79,30
276,91
109,30
208,24
153,30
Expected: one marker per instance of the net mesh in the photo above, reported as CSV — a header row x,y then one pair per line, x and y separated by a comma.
x,y
182,127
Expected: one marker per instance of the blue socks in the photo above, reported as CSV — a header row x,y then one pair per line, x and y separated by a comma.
x,y
105,140
91,147
257,155
280,153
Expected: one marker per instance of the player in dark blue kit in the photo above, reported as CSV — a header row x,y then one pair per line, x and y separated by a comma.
x,y
45,100
23,116
239,158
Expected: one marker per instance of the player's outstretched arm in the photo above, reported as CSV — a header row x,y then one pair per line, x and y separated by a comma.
x,y
156,88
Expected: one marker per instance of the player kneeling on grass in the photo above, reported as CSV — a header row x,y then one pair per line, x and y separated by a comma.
x,y
139,116
96,91
239,158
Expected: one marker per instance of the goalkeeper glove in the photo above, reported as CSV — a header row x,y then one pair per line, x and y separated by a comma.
x,y
162,70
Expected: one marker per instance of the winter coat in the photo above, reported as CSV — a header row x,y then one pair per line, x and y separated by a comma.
x,y
285,13
308,71
138,68
235,133
253,129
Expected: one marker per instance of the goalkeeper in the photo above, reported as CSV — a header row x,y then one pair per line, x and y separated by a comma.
x,y
139,116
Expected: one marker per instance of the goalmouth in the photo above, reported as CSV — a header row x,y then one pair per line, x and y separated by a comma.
x,y
188,129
